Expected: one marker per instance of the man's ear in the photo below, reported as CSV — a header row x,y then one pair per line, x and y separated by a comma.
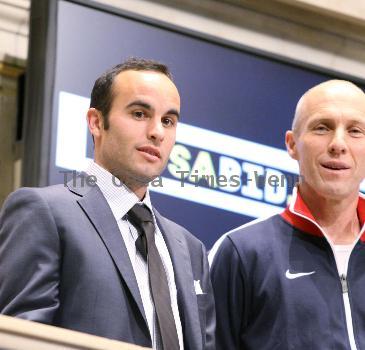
x,y
291,145
95,122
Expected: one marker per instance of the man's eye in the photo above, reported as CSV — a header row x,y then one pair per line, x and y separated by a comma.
x,y
356,132
168,121
321,129
138,114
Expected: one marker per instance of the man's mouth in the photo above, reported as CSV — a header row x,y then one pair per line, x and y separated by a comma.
x,y
334,165
153,151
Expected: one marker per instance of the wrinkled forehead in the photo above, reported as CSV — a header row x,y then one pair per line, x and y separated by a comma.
x,y
331,100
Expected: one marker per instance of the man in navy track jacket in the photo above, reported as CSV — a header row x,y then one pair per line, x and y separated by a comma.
x,y
297,280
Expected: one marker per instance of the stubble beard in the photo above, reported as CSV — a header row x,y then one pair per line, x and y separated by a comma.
x,y
134,180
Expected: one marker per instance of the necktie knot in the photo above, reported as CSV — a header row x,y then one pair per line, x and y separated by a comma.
x,y
141,217
139,214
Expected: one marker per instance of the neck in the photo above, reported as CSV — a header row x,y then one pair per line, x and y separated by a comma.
x,y
138,187
139,191
337,217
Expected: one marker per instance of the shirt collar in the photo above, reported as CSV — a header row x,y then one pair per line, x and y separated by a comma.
x,y
298,215
119,197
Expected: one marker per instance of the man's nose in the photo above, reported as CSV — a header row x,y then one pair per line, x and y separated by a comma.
x,y
156,130
338,143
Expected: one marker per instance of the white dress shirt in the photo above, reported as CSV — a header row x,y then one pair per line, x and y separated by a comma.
x,y
121,200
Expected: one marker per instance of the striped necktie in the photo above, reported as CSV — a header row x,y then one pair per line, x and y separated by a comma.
x,y
141,217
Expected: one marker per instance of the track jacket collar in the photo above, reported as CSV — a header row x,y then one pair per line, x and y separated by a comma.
x,y
298,215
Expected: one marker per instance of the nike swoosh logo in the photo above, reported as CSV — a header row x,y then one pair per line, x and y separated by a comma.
x,y
292,276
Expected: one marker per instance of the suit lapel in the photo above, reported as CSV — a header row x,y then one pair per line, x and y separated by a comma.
x,y
188,306
99,213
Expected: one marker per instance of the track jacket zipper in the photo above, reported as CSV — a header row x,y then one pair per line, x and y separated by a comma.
x,y
346,302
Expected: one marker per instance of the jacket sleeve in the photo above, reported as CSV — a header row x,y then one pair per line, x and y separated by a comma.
x,y
229,293
29,257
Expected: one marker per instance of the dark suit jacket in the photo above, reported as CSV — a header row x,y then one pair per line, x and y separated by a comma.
x,y
63,262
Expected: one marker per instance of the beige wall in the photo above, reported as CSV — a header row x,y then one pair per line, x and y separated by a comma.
x,y
13,53
14,23
325,33
9,148
318,32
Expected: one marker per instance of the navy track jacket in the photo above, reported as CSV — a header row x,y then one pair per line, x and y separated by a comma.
x,y
277,286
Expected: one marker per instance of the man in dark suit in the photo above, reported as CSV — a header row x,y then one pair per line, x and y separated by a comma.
x,y
94,255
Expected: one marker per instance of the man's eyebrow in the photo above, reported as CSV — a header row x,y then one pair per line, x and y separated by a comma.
x,y
359,120
139,103
145,105
173,112
321,119
326,119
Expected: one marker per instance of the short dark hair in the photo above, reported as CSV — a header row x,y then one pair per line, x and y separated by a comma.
x,y
102,92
